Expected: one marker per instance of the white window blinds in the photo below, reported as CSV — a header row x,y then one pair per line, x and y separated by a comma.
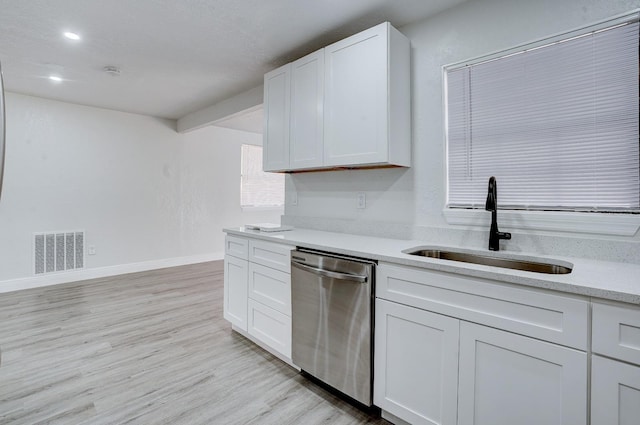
x,y
257,188
556,124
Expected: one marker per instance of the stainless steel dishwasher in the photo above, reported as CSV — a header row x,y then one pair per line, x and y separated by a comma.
x,y
332,320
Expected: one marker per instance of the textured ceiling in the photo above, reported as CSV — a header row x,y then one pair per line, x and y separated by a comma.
x,y
175,56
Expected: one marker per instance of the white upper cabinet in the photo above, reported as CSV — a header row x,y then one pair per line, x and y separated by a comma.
x,y
277,109
307,103
347,105
367,111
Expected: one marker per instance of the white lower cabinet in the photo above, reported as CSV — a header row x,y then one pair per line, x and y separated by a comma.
x,y
257,292
615,392
452,349
508,379
417,364
236,273
434,369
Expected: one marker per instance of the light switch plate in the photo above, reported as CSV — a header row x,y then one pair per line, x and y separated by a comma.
x,y
362,200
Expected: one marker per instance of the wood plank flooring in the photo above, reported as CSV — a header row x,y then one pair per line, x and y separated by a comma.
x,y
146,348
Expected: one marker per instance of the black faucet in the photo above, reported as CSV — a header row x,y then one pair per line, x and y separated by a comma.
x,y
492,205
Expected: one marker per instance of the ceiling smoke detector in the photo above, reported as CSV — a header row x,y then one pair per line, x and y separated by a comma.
x,y
114,71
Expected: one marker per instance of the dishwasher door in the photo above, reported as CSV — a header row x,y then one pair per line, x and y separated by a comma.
x,y
332,313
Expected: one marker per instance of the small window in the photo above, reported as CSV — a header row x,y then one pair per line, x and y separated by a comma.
x,y
556,122
257,188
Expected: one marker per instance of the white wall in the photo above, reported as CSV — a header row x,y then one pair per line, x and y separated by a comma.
x,y
413,199
142,192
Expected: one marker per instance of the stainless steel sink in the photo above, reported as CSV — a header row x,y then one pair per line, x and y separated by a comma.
x,y
486,260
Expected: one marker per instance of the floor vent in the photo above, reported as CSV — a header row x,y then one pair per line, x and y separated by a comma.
x,y
58,251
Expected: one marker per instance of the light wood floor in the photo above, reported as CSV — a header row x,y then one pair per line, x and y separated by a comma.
x,y
146,348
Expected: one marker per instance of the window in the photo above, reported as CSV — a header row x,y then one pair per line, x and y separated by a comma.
x,y
556,122
257,188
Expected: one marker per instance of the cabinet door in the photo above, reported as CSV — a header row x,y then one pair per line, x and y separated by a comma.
x,y
615,392
416,364
276,119
307,103
508,379
355,120
236,276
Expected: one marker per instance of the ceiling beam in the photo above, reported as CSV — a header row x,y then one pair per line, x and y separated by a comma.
x,y
224,109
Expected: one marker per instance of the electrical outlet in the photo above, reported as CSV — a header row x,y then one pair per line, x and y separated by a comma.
x,y
91,250
294,198
362,200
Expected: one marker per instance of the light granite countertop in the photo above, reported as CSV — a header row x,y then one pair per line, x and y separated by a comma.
x,y
598,279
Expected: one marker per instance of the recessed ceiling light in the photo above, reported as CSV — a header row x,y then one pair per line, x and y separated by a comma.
x,y
55,78
72,35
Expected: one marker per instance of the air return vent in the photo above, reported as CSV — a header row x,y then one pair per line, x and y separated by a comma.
x,y
58,251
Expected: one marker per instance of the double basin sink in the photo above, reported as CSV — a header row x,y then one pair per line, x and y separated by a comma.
x,y
489,260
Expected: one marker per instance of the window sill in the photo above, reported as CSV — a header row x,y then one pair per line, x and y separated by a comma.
x,y
557,221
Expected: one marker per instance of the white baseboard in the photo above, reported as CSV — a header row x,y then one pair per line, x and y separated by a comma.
x,y
84,274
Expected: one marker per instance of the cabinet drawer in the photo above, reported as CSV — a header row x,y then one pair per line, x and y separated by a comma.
x,y
550,317
272,255
270,287
616,331
270,327
237,247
